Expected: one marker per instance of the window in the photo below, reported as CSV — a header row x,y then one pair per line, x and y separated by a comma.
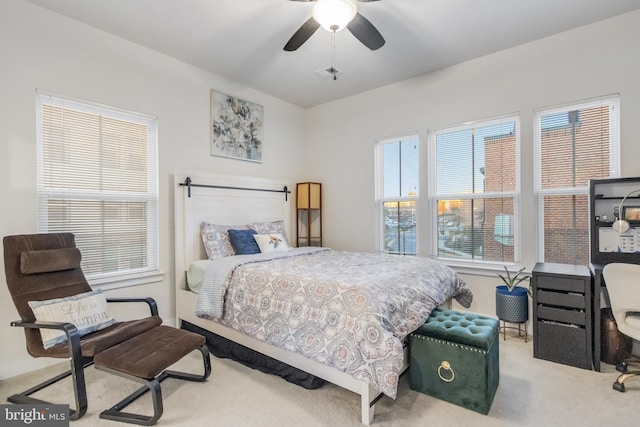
x,y
475,191
97,178
397,193
573,145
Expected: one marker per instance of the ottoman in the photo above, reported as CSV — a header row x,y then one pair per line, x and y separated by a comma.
x,y
454,357
145,359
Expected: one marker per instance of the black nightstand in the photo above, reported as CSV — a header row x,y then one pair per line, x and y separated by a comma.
x,y
562,321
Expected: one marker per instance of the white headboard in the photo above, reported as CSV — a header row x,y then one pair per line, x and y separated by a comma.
x,y
225,200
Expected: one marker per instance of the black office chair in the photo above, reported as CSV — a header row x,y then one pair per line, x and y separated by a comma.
x,y
622,282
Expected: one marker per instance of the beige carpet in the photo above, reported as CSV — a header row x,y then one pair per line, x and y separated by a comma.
x,y
532,392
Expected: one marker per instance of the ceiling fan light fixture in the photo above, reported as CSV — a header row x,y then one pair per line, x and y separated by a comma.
x,y
334,15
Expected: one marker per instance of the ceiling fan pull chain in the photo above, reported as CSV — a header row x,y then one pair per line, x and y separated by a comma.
x,y
333,56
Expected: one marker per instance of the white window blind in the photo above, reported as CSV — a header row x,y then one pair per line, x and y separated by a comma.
x,y
397,170
97,178
475,190
574,144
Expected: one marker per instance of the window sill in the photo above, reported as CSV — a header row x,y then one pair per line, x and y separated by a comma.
x,y
479,269
106,283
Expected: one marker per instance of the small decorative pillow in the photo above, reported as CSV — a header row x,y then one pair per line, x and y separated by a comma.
x,y
88,311
274,227
49,260
216,239
271,242
243,242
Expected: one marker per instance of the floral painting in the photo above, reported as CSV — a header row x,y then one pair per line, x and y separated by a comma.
x,y
236,127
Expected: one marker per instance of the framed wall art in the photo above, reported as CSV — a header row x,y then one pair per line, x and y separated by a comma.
x,y
236,127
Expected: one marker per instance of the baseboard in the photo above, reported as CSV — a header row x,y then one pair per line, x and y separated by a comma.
x,y
26,365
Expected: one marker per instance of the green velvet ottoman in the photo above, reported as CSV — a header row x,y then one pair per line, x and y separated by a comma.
x,y
455,357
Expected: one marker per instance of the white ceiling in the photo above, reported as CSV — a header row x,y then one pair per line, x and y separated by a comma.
x,y
242,40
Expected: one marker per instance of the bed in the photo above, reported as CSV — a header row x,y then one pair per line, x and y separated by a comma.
x,y
359,349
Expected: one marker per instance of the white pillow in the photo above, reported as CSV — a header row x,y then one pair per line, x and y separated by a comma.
x,y
88,311
273,227
271,242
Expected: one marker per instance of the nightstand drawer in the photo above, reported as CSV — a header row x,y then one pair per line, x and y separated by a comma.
x,y
567,284
574,317
562,344
562,299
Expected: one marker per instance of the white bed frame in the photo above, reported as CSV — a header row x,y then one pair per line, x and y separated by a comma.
x,y
233,206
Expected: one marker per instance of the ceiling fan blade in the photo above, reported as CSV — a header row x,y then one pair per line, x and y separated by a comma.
x,y
302,35
364,31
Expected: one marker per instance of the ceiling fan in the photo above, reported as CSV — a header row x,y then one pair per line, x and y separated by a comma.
x,y
334,15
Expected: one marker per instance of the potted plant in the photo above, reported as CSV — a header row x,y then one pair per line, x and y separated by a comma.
x,y
512,303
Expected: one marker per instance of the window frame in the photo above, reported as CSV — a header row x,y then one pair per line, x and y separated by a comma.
x,y
540,193
433,196
380,198
151,272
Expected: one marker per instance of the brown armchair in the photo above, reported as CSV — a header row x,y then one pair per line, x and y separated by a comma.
x,y
45,267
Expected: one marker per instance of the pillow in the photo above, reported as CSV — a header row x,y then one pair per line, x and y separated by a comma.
x,y
271,243
274,227
243,242
195,274
49,260
216,239
88,311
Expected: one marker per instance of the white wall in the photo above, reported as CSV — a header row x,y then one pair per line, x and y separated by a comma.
x,y
591,61
45,51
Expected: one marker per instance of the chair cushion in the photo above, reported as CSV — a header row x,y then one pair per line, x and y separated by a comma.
x,y
119,332
101,340
148,354
633,320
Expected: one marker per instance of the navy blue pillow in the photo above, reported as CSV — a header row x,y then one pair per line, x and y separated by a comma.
x,y
243,242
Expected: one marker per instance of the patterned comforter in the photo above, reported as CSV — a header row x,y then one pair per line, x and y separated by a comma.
x,y
347,310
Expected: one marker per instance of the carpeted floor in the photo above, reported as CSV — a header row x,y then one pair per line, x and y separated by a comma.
x,y
532,392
